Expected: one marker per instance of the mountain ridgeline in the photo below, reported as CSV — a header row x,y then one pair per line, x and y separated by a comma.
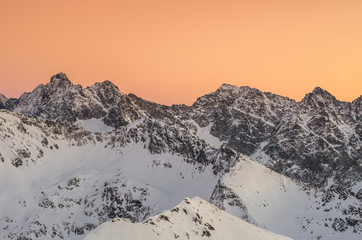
x,y
316,141
94,155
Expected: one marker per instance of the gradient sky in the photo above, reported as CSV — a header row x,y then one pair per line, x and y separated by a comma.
x,y
175,51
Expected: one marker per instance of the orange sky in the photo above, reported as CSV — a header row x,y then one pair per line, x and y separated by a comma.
x,y
175,51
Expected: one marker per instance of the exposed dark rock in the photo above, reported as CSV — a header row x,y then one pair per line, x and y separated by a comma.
x,y
3,101
17,162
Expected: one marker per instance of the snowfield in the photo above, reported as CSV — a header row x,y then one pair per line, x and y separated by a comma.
x,y
281,205
85,182
75,160
192,219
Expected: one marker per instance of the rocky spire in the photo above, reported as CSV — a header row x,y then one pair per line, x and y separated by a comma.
x,y
3,99
59,80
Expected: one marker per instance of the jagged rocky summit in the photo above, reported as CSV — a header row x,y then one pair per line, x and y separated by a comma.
x,y
93,154
317,140
64,102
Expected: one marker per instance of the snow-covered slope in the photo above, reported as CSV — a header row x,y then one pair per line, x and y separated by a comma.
x,y
92,154
317,141
88,178
140,170
304,140
193,219
268,199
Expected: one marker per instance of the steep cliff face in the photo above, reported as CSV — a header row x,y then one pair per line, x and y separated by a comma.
x,y
3,100
318,143
243,117
61,101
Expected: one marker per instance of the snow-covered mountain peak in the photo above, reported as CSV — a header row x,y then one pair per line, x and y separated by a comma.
x,y
319,98
60,80
226,87
319,90
107,85
105,91
228,90
60,100
193,219
232,95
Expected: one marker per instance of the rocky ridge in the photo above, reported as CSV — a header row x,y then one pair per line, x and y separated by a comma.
x,y
64,102
304,140
89,178
316,142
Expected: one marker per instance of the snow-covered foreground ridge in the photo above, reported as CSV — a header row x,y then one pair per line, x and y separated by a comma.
x,y
270,200
193,219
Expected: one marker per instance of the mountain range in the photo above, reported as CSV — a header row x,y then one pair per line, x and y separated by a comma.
x,y
90,155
